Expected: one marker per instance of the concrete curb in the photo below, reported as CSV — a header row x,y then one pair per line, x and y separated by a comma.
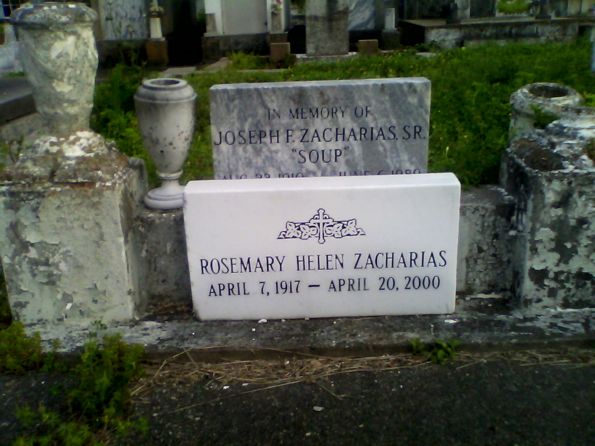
x,y
477,323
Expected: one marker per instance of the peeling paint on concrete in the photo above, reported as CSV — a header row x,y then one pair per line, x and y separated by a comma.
x,y
484,241
66,237
552,178
479,322
164,259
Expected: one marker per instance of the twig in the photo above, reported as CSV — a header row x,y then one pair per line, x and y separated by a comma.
x,y
339,397
216,400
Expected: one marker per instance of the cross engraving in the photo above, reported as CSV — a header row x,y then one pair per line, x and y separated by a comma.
x,y
320,220
321,226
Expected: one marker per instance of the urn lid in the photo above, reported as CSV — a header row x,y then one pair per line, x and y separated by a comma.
x,y
53,14
165,90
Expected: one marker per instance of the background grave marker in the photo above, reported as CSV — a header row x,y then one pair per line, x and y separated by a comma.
x,y
320,128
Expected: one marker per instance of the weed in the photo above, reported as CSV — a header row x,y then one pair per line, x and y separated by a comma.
x,y
443,351
589,100
51,429
513,6
113,113
19,352
417,346
96,409
243,61
439,351
5,155
542,117
103,375
427,47
590,149
14,75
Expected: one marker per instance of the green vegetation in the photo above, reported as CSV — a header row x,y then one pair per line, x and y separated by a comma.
x,y
113,112
247,61
589,100
4,154
96,403
513,6
18,352
14,74
439,352
590,150
542,117
470,113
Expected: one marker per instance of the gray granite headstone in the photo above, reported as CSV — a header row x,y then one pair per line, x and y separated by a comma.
x,y
326,27
320,128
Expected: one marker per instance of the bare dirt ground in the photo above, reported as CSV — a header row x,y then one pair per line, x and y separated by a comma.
x,y
544,397
525,397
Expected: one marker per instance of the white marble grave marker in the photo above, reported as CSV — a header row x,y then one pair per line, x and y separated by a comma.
x,y
320,128
321,247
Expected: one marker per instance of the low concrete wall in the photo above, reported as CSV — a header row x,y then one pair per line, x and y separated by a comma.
x,y
164,260
216,46
473,31
483,258
484,253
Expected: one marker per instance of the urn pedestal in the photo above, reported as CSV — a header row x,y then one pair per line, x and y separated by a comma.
x,y
68,245
166,112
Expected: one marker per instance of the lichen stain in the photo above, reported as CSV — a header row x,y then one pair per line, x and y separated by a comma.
x,y
536,156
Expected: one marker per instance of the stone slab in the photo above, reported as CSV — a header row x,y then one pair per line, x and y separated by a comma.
x,y
321,247
367,46
280,51
320,128
157,51
390,40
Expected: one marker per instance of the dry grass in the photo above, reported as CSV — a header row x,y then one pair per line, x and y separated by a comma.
x,y
184,367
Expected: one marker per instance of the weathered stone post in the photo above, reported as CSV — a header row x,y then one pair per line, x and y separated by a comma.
x,y
68,204
551,174
156,45
544,10
326,27
390,35
464,9
452,16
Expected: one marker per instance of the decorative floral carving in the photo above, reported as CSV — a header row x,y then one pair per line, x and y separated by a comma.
x,y
321,226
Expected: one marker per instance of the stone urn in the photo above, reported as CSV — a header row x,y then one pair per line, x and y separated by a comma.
x,y
58,54
541,98
166,111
